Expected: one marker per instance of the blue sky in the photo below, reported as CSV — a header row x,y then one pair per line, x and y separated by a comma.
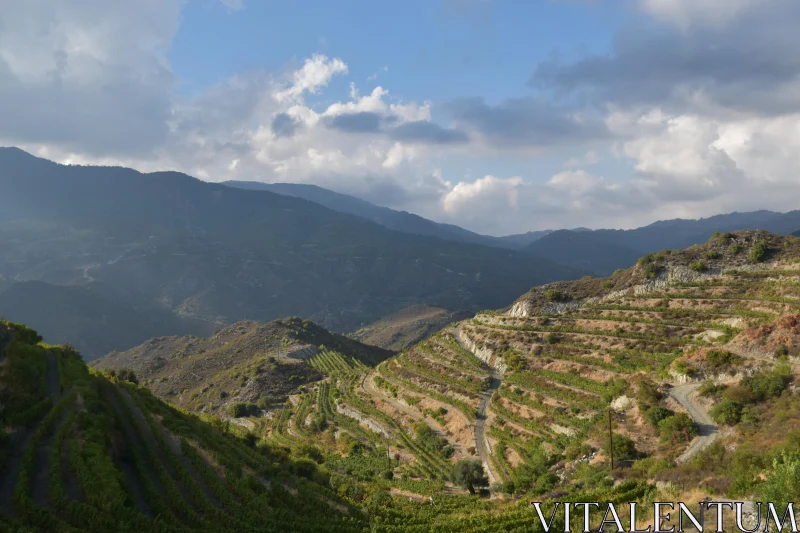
x,y
498,116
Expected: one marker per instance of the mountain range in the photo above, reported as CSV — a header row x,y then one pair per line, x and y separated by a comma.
x,y
213,254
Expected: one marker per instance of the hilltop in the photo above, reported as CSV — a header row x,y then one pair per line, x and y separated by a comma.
x,y
257,365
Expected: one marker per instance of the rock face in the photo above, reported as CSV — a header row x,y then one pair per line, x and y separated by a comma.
x,y
486,355
371,424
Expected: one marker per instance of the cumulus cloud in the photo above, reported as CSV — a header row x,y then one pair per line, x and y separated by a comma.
x,y
701,103
315,74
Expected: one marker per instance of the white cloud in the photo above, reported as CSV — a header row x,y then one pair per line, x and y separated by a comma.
x,y
685,13
315,74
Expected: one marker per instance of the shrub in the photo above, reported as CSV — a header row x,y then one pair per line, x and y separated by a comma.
x,y
552,338
709,388
717,359
735,248
655,415
677,428
712,254
552,295
782,351
726,412
237,410
624,448
781,486
759,251
698,266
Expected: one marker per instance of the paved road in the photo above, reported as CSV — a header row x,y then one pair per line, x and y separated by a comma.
x,y
708,432
481,444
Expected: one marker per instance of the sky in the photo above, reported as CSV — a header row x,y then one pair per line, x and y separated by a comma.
x,y
499,116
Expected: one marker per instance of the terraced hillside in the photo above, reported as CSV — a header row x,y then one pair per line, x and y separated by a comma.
x,y
657,351
690,357
85,451
247,364
81,452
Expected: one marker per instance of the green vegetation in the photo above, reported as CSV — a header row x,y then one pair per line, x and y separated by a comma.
x,y
758,252
469,473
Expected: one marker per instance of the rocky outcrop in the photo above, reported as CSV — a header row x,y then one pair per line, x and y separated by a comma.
x,y
483,353
371,424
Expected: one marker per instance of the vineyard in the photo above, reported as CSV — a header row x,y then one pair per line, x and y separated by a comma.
x,y
373,444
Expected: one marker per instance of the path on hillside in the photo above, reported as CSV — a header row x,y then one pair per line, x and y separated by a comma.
x,y
708,432
481,444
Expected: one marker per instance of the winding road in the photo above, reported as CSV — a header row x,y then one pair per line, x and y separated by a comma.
x,y
481,444
708,432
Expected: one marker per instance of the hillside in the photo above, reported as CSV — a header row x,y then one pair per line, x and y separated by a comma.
x,y
258,365
692,355
395,220
695,353
583,250
408,327
91,322
86,452
220,254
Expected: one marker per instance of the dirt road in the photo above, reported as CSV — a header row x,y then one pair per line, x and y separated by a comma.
x,y
708,432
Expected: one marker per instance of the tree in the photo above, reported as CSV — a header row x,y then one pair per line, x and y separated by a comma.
x,y
781,486
469,473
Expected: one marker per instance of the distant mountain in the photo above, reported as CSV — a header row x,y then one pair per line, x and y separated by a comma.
x,y
521,240
608,249
388,218
92,323
680,233
796,233
585,250
220,254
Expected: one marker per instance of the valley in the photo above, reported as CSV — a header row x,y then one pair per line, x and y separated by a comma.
x,y
693,365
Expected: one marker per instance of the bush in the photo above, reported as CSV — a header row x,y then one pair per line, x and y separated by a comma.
x,y
238,410
712,254
677,428
726,412
698,266
552,295
782,351
759,251
717,359
709,388
624,448
735,248
655,415
552,338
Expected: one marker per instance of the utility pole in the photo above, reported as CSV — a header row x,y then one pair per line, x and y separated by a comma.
x,y
610,440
